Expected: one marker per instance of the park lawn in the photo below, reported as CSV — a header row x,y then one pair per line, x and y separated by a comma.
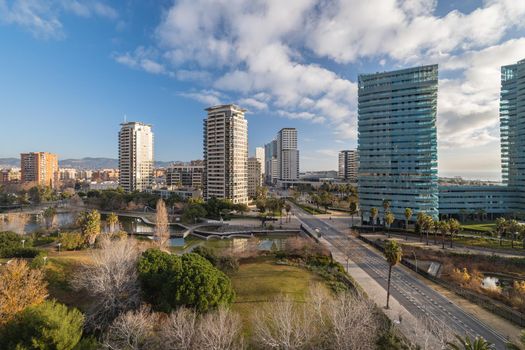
x,y
59,269
482,227
260,280
486,243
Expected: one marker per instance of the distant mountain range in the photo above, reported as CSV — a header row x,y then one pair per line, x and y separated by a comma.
x,y
84,163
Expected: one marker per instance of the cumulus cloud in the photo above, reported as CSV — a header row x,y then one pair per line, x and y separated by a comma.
x,y
207,97
274,55
42,18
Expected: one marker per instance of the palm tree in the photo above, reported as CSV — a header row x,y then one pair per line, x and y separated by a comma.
x,y
49,216
393,255
373,215
454,227
478,343
389,219
420,222
353,210
408,215
386,207
112,222
513,227
443,228
501,227
511,346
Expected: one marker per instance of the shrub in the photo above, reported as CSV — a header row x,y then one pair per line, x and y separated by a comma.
x,y
19,252
169,281
225,263
39,261
9,240
50,325
71,240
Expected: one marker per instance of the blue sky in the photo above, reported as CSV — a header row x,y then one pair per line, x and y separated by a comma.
x,y
71,69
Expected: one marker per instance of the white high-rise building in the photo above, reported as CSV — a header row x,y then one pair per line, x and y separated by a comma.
x,y
259,154
348,165
135,156
226,154
271,166
287,154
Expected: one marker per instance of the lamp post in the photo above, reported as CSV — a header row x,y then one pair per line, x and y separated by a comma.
x,y
58,245
23,243
415,258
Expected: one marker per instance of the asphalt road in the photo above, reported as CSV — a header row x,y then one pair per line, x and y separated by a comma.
x,y
419,299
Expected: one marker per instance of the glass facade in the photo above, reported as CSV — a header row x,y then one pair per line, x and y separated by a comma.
x,y
397,142
512,130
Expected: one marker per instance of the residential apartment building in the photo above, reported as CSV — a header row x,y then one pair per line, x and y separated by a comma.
x,y
348,165
185,175
288,154
260,154
397,141
255,177
9,176
135,156
40,168
226,154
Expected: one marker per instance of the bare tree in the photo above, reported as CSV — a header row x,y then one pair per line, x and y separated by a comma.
x,y
162,233
284,325
112,280
133,330
353,322
178,330
219,330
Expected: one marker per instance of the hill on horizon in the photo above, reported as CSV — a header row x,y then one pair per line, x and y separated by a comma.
x,y
82,163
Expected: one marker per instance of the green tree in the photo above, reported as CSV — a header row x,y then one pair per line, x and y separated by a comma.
x,y
353,210
169,281
478,343
501,228
408,216
513,230
373,216
443,228
192,212
386,209
112,221
454,227
420,222
48,326
389,219
393,255
89,222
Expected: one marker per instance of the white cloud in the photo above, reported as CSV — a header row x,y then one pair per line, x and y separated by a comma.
x,y
42,18
261,52
207,97
141,58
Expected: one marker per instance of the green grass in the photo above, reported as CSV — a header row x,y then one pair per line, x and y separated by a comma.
x,y
261,280
309,209
481,227
486,243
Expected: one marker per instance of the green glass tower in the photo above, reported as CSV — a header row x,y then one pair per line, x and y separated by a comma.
x,y
398,142
512,130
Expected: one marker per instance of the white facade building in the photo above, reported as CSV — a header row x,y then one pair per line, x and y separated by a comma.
x,y
135,156
226,154
287,154
259,154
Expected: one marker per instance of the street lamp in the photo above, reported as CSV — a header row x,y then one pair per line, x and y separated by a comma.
x,y
23,242
58,245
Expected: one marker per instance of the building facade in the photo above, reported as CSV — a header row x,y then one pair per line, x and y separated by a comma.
x,y
271,166
254,176
512,130
185,175
348,165
10,176
40,168
135,156
288,154
226,154
397,141
260,154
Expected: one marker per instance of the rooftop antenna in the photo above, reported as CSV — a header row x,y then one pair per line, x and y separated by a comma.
x,y
125,118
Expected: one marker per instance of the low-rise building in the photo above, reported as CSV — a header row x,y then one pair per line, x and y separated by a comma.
x,y
10,176
184,175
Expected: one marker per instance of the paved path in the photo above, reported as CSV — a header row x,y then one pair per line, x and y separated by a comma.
x,y
417,298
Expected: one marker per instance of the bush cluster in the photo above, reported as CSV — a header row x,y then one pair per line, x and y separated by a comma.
x,y
225,263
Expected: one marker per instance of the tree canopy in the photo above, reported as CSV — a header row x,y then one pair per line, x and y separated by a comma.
x,y
169,281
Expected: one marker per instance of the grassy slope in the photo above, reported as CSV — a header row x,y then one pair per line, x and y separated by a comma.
x,y
482,227
260,280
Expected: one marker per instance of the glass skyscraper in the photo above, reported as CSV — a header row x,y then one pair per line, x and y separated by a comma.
x,y
512,129
398,142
